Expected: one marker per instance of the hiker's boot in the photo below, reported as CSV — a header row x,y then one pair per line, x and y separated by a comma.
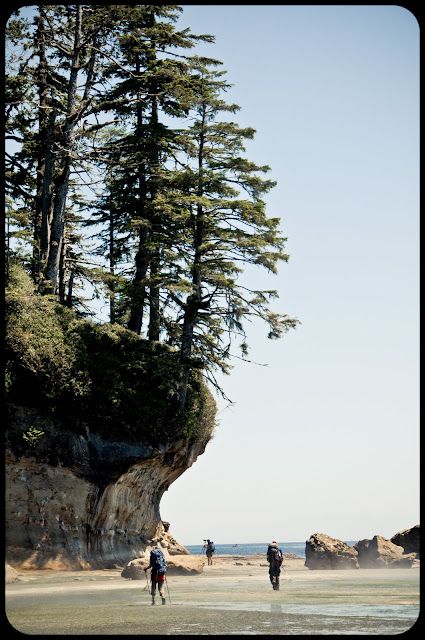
x,y
162,599
153,600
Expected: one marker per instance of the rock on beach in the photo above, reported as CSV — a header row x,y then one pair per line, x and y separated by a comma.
x,y
11,575
324,552
181,564
380,553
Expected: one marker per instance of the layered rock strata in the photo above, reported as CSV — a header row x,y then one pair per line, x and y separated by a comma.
x,y
79,501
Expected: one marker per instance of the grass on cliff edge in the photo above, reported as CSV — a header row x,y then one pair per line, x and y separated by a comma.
x,y
102,374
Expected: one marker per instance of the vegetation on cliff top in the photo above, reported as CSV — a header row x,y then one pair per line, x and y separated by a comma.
x,y
101,374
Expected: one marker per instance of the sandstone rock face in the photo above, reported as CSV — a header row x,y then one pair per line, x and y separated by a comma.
x,y
408,539
83,502
381,553
169,545
324,552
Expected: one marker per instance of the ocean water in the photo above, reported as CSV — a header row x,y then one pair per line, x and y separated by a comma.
x,y
253,548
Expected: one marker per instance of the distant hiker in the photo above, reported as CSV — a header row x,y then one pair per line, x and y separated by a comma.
x,y
158,567
210,548
275,559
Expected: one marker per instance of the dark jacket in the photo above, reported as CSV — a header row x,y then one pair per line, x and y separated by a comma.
x,y
272,558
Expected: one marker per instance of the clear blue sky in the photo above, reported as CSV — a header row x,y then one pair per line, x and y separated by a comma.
x,y
326,438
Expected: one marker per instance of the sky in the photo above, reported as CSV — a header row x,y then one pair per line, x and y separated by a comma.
x,y
325,438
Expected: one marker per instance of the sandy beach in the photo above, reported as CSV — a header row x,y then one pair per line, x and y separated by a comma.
x,y
233,596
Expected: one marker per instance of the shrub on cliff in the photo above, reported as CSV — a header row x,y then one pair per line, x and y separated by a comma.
x,y
101,374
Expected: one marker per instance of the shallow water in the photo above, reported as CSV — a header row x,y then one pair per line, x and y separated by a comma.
x,y
222,600
409,612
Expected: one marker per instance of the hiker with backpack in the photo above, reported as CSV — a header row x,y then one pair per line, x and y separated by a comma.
x,y
275,559
158,567
210,548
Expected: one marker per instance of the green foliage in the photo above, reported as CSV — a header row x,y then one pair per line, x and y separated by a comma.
x,y
33,436
103,375
35,340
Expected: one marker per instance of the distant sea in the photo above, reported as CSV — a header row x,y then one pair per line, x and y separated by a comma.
x,y
253,548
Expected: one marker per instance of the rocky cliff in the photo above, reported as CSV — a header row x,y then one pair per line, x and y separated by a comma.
x,y
79,500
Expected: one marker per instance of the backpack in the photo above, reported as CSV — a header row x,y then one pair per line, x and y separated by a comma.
x,y
157,561
273,555
211,547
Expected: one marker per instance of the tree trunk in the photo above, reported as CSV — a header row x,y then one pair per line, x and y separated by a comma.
x,y
62,271
46,197
138,293
154,289
190,316
57,232
70,286
154,313
58,225
41,141
112,316
194,301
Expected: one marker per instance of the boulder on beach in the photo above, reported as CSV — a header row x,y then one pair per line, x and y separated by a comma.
x,y
185,565
381,553
408,539
182,565
324,552
11,575
133,572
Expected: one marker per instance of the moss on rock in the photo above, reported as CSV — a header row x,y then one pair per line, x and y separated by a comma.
x,y
101,374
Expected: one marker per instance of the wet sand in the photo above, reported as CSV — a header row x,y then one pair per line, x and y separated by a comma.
x,y
227,598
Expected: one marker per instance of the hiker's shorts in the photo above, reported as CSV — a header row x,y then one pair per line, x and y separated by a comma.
x,y
157,577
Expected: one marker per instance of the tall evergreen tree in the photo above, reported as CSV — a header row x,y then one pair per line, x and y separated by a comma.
x,y
61,54
228,228
150,81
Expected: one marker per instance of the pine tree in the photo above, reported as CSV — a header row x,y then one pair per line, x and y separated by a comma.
x,y
149,87
229,228
61,55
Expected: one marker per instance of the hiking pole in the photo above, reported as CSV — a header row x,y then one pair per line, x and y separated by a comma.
x,y
169,597
147,581
286,573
